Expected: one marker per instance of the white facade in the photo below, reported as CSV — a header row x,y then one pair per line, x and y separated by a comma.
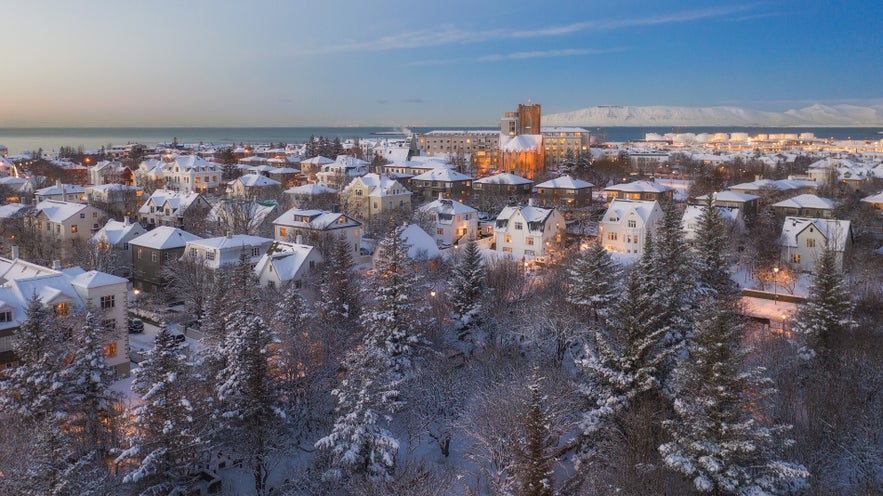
x,y
804,239
528,232
454,221
226,250
625,225
286,262
192,173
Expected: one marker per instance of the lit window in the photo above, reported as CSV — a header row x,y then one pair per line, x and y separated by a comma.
x,y
810,243
62,309
108,301
110,350
153,257
530,241
507,238
283,232
73,228
795,258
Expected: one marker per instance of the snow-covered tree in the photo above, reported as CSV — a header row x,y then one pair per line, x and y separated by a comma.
x,y
88,400
717,438
339,301
826,316
165,438
593,281
628,353
467,287
712,271
32,389
674,273
393,323
535,459
248,417
53,470
359,442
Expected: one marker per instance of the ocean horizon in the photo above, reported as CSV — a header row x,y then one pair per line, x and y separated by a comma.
x,y
21,140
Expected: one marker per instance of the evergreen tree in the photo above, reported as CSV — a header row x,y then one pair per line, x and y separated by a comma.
x,y
54,470
248,417
32,389
244,286
339,301
88,399
593,281
535,459
825,317
716,439
393,322
712,271
165,440
311,149
359,443
467,289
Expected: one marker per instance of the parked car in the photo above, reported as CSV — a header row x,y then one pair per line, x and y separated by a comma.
x,y
136,326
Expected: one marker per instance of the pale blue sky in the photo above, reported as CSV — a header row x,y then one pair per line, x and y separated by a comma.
x,y
390,63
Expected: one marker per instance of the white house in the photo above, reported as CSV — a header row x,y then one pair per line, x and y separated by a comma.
x,y
167,208
64,222
63,291
528,232
227,250
625,225
374,195
692,214
116,235
61,192
286,262
454,221
314,225
254,184
804,239
192,173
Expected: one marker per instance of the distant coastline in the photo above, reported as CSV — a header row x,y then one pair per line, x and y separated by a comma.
x,y
19,140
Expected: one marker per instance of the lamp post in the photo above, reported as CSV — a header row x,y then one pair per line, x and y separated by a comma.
x,y
775,285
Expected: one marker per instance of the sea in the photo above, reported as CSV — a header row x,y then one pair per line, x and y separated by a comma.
x,y
20,140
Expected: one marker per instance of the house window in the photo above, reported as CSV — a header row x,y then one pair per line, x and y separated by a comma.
x,y
153,257
110,350
440,231
530,241
283,232
507,238
611,236
62,309
109,325
139,253
633,224
519,226
107,302
94,215
255,251
83,216
635,240
209,255
74,228
795,258
507,249
6,316
358,192
810,243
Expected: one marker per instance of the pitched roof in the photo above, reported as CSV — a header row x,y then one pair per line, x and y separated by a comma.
x,y
286,258
232,241
837,232
420,244
729,196
565,182
639,187
522,143
504,178
60,211
806,201
310,189
115,231
442,174
164,238
530,213
257,180
643,208
315,219
176,200
445,206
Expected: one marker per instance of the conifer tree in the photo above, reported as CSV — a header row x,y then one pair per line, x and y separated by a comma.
x,y
165,440
359,442
712,271
534,460
467,289
32,389
54,470
88,399
716,439
248,417
674,276
825,316
593,281
339,300
393,322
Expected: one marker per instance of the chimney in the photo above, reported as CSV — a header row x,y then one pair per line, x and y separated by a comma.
x,y
299,239
56,265
229,234
441,196
15,252
531,202
335,208
126,221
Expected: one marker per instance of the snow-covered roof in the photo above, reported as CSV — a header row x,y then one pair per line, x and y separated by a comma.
x,y
446,206
379,185
781,184
522,143
232,241
639,187
286,258
420,244
68,189
115,231
257,180
13,182
504,178
12,210
531,214
729,196
565,182
806,201
194,162
562,129
164,238
619,208
314,219
310,190
176,200
60,211
878,198
444,174
693,212
94,279
837,232
318,160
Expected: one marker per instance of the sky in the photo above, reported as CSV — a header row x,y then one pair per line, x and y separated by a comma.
x,y
422,63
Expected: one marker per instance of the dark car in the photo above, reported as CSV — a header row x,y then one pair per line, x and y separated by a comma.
x,y
136,326
178,338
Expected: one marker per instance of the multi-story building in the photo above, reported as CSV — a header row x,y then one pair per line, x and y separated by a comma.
x,y
373,195
626,223
227,250
61,192
529,232
747,204
479,147
254,185
341,172
453,222
153,251
115,235
564,191
64,224
442,181
194,174
287,263
561,143
639,190
804,240
805,205
170,208
63,292
493,192
317,226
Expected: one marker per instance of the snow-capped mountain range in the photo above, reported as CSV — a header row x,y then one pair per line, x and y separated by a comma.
x,y
815,115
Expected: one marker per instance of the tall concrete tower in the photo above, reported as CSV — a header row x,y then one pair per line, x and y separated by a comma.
x,y
528,119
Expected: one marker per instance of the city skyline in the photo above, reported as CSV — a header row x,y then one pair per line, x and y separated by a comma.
x,y
391,63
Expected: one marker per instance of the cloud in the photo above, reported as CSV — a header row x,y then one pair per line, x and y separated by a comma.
x,y
413,100
452,35
532,54
382,102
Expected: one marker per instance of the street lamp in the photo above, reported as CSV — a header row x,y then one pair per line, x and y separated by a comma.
x,y
775,285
